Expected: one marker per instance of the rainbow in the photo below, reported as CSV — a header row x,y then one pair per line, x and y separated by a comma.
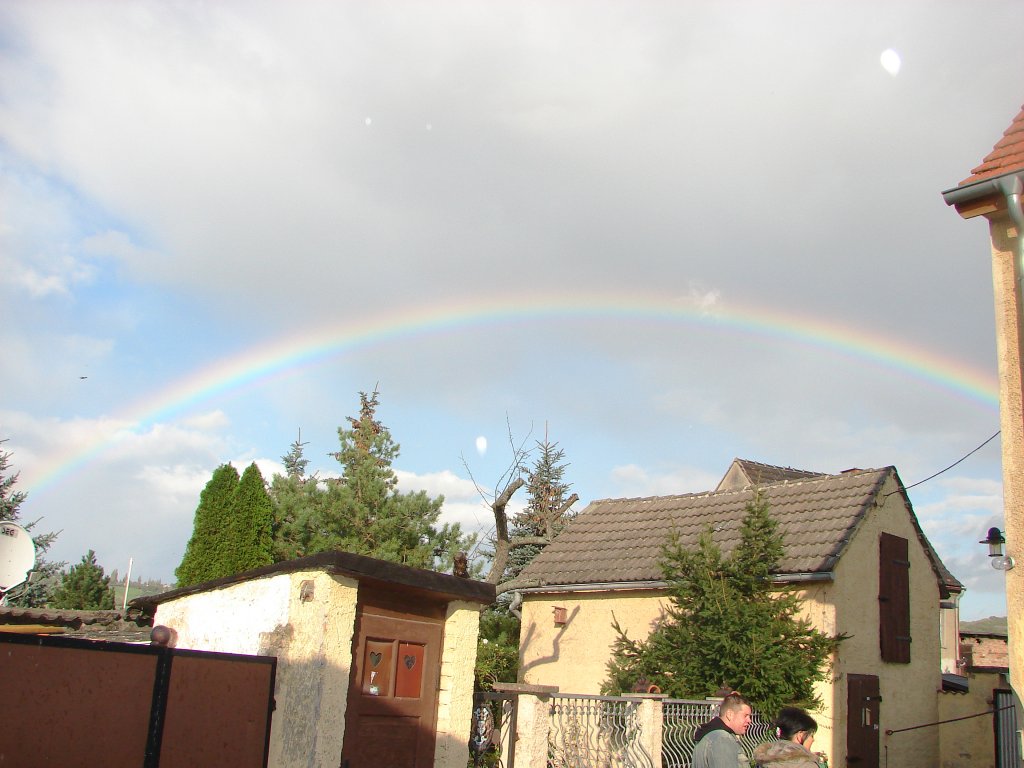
x,y
296,351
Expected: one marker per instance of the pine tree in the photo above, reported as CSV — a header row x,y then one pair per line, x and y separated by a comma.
x,y
363,511
84,587
45,576
727,625
208,555
249,528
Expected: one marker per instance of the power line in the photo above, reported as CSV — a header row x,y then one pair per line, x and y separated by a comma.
x,y
962,458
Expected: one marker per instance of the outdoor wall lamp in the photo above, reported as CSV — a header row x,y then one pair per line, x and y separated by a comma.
x,y
1000,560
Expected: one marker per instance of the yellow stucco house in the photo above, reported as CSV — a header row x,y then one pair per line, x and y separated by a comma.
x,y
853,547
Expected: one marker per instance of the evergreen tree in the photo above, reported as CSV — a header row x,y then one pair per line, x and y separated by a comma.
x,y
363,511
45,576
497,655
249,527
295,462
727,625
546,512
85,587
208,554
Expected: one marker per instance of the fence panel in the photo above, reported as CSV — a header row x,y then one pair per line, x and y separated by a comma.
x,y
682,717
596,732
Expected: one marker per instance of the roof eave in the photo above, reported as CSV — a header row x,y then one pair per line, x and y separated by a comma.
x,y
984,196
643,586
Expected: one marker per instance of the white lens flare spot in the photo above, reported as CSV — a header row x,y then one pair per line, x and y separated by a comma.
x,y
890,61
481,445
369,120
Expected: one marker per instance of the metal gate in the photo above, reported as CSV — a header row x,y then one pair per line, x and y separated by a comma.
x,y
1005,724
70,702
493,740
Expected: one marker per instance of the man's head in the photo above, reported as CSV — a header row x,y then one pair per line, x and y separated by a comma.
x,y
735,713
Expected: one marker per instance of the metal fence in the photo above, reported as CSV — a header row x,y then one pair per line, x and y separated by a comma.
x,y
682,717
596,732
492,743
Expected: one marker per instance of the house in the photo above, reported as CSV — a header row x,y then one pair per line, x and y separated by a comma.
x,y
995,191
854,549
374,659
971,736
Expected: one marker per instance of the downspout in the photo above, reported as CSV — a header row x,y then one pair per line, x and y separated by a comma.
x,y
1011,187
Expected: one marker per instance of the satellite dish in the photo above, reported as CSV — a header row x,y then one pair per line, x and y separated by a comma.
x,y
17,555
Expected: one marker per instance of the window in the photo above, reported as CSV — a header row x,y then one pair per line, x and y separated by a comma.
x,y
894,598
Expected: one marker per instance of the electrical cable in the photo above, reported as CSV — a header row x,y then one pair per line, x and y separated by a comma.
x,y
962,458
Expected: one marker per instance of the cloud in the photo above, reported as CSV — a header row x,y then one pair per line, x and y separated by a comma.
x,y
634,481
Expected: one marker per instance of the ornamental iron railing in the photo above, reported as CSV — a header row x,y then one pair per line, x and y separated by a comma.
x,y
596,732
682,717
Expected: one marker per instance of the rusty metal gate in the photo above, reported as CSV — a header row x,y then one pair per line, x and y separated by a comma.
x,y
69,702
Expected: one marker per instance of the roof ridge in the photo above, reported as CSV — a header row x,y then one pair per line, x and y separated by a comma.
x,y
696,494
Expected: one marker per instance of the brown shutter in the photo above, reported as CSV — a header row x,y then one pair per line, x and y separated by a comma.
x,y
894,598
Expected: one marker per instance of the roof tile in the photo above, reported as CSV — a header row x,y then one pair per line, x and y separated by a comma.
x,y
1006,157
618,541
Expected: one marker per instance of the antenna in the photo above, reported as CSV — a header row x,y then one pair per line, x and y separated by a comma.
x,y
17,555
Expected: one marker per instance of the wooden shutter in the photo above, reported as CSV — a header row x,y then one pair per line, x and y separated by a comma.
x,y
894,598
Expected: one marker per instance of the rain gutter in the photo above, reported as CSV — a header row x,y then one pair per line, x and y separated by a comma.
x,y
634,586
1010,186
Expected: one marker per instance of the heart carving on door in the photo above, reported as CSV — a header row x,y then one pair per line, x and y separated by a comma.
x,y
410,662
375,658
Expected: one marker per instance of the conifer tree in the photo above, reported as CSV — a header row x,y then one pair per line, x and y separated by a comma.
x,y
45,576
295,499
727,625
208,555
84,587
249,528
363,511
546,512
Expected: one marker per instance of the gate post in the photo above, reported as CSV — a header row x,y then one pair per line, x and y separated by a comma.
x,y
533,722
651,716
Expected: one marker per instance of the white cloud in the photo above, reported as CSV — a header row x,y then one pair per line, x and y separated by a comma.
x,y
635,481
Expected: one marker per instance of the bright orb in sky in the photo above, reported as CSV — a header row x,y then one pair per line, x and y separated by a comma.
x,y
481,445
890,61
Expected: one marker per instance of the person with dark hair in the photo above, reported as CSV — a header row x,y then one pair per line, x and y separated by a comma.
x,y
718,740
794,732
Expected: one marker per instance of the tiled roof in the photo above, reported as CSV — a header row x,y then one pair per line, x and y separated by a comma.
x,y
619,541
93,625
1006,157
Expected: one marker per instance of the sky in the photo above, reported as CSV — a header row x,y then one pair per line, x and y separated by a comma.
x,y
663,235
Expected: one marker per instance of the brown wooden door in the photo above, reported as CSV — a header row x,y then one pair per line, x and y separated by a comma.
x,y
863,707
392,699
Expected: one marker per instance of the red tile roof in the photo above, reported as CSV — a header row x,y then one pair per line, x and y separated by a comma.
x,y
1006,157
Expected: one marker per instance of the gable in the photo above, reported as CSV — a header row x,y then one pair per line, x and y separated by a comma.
x,y
743,473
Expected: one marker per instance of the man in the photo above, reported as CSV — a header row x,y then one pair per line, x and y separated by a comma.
x,y
718,740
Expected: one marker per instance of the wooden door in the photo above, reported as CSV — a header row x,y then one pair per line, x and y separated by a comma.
x,y
863,707
392,700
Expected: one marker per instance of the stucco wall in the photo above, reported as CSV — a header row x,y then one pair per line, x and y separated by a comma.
x,y
311,639
969,743
455,696
908,691
573,656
